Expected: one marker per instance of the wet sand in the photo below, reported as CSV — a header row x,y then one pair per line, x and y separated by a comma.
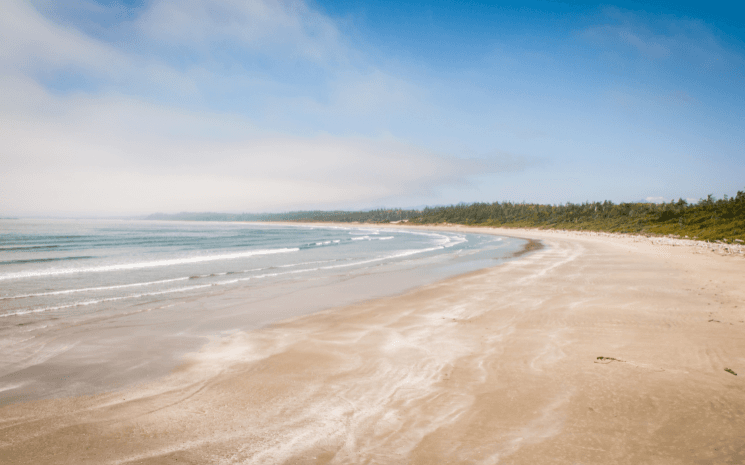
x,y
113,347
496,366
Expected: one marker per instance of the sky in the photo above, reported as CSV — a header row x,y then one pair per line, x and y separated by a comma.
x,y
130,107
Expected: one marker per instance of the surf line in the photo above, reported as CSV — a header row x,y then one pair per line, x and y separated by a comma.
x,y
133,266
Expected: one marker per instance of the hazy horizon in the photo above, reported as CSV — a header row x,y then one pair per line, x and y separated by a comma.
x,y
145,215
126,108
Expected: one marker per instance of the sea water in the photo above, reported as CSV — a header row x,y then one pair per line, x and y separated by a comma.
x,y
70,286
63,267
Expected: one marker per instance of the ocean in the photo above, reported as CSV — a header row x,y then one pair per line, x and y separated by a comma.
x,y
64,283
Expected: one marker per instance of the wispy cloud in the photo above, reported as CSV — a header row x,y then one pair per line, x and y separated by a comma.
x,y
650,48
684,42
126,147
268,104
40,50
287,29
115,153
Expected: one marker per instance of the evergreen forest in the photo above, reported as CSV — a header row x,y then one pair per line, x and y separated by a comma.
x,y
709,219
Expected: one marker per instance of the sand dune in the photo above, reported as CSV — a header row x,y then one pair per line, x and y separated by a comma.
x,y
497,366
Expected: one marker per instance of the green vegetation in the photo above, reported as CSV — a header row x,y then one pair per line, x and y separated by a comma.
x,y
709,219
729,370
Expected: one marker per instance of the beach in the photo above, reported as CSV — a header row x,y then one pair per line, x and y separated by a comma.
x,y
95,306
594,348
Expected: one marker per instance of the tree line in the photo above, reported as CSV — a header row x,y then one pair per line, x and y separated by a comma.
x,y
708,219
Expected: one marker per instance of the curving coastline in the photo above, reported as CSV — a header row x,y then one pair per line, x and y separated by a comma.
x,y
496,366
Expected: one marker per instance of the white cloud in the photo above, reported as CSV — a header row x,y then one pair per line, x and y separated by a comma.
x,y
126,147
28,38
35,47
117,154
218,59
657,199
262,25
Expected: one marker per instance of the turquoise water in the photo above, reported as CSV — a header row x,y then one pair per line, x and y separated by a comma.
x,y
53,268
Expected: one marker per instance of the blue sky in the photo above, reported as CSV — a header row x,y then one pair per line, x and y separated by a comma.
x,y
131,107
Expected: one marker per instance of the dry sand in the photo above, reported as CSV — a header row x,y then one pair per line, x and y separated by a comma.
x,y
497,366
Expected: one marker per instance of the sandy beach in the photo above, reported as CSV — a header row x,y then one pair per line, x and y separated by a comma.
x,y
592,349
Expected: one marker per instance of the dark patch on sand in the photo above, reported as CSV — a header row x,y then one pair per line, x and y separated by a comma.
x,y
531,246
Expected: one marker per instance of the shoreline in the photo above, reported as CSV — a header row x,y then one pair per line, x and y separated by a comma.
x,y
497,364
92,354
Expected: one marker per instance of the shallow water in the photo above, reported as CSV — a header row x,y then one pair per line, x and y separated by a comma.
x,y
129,297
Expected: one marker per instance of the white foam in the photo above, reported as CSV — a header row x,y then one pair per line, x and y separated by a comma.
x,y
299,264
368,238
455,240
87,289
363,231
405,253
441,241
147,294
8,387
133,266
110,299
